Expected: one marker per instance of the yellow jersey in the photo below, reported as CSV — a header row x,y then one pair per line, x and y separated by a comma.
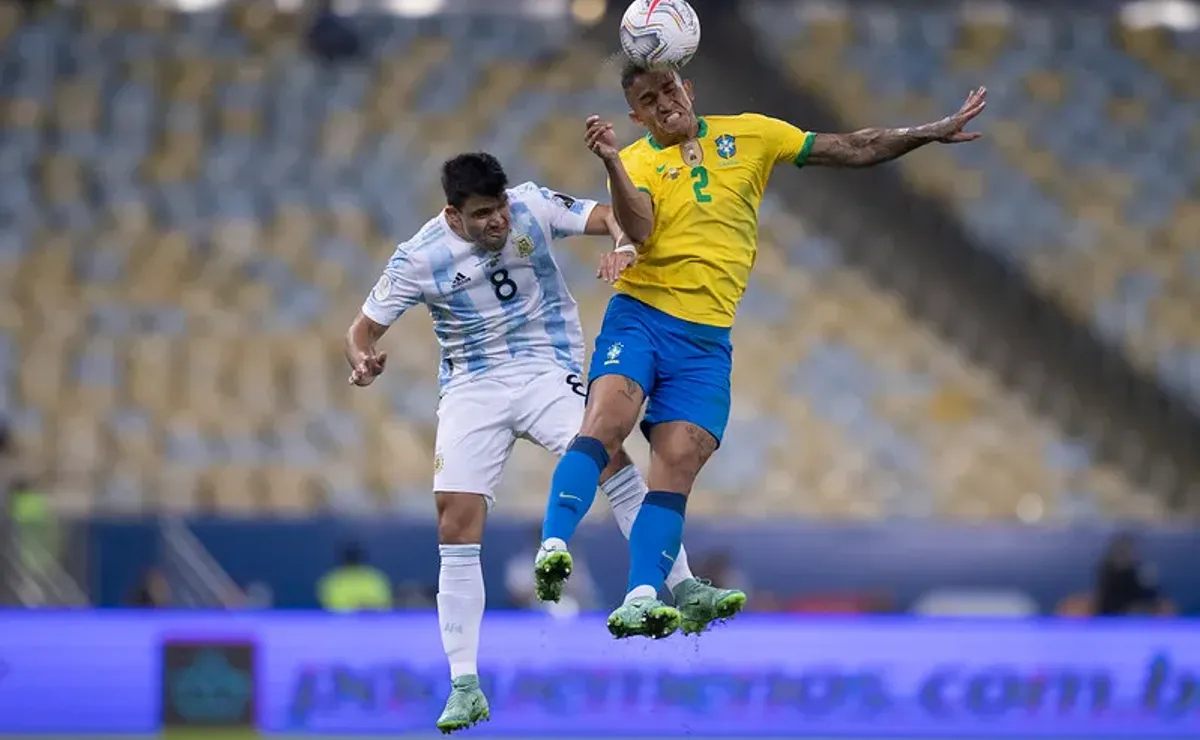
x,y
697,262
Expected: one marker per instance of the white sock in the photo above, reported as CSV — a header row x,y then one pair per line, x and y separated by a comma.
x,y
460,603
626,490
639,592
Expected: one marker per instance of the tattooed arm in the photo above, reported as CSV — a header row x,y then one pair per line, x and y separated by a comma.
x,y
872,146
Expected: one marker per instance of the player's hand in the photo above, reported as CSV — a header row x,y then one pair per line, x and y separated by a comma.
x,y
366,368
601,138
612,264
953,125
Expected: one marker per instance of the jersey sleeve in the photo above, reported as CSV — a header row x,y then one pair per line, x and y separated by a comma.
x,y
639,173
568,216
783,141
396,292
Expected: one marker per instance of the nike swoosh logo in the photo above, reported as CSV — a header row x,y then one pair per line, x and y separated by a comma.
x,y
567,495
668,557
661,168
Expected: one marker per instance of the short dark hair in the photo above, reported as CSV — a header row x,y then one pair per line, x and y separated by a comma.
x,y
477,173
630,72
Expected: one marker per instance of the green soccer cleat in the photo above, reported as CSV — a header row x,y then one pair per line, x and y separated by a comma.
x,y
466,706
701,604
645,616
551,570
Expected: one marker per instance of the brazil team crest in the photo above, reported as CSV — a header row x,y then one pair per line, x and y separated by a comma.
x,y
726,146
524,245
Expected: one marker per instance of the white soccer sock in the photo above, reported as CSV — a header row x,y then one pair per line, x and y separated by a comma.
x,y
460,603
641,592
626,490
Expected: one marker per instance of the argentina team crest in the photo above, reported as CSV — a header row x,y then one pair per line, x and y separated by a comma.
x,y
524,245
726,146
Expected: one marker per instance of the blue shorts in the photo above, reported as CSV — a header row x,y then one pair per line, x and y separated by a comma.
x,y
682,367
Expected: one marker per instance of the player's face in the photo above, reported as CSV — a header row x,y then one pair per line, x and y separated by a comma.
x,y
483,220
662,102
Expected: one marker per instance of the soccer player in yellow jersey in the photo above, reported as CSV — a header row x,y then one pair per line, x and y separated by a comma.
x,y
688,193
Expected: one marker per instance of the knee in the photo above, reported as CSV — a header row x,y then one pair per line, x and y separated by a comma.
x,y
675,470
617,462
610,428
612,409
677,456
461,517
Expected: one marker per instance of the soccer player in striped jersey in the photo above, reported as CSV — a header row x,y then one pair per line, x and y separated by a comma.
x,y
512,357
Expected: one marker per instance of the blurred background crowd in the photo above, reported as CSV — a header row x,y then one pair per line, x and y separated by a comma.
x,y
965,383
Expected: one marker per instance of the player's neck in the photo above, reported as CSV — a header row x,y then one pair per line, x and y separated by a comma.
x,y
667,141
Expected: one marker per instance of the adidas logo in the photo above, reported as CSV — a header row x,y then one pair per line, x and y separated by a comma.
x,y
460,280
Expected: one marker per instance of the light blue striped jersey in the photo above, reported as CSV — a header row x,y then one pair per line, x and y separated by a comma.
x,y
490,308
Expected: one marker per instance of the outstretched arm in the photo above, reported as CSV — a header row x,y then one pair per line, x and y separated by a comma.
x,y
396,292
872,146
366,362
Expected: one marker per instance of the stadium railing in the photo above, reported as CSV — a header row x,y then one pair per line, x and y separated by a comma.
x,y
30,575
197,581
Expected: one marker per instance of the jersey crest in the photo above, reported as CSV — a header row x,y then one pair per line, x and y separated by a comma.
x,y
726,146
524,245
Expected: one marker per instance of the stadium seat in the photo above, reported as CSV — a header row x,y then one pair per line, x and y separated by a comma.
x,y
211,205
1090,147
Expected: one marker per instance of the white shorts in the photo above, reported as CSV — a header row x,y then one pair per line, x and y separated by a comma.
x,y
479,420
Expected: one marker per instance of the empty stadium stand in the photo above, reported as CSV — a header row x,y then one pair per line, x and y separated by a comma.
x,y
194,208
1089,177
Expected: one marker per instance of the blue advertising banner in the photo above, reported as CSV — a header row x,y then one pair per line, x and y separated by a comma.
x,y
128,673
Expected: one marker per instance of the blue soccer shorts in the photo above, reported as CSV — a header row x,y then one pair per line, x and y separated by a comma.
x,y
682,367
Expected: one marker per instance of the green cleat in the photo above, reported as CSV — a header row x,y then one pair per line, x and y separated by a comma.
x,y
701,604
551,570
466,706
645,616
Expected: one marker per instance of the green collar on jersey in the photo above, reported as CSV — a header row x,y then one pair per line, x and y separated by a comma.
x,y
701,135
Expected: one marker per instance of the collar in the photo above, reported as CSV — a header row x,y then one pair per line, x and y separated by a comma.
x,y
702,133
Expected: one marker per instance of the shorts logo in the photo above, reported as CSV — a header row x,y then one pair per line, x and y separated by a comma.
x,y
726,146
524,245
613,356
438,462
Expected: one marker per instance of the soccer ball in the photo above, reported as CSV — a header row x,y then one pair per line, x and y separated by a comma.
x,y
660,32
